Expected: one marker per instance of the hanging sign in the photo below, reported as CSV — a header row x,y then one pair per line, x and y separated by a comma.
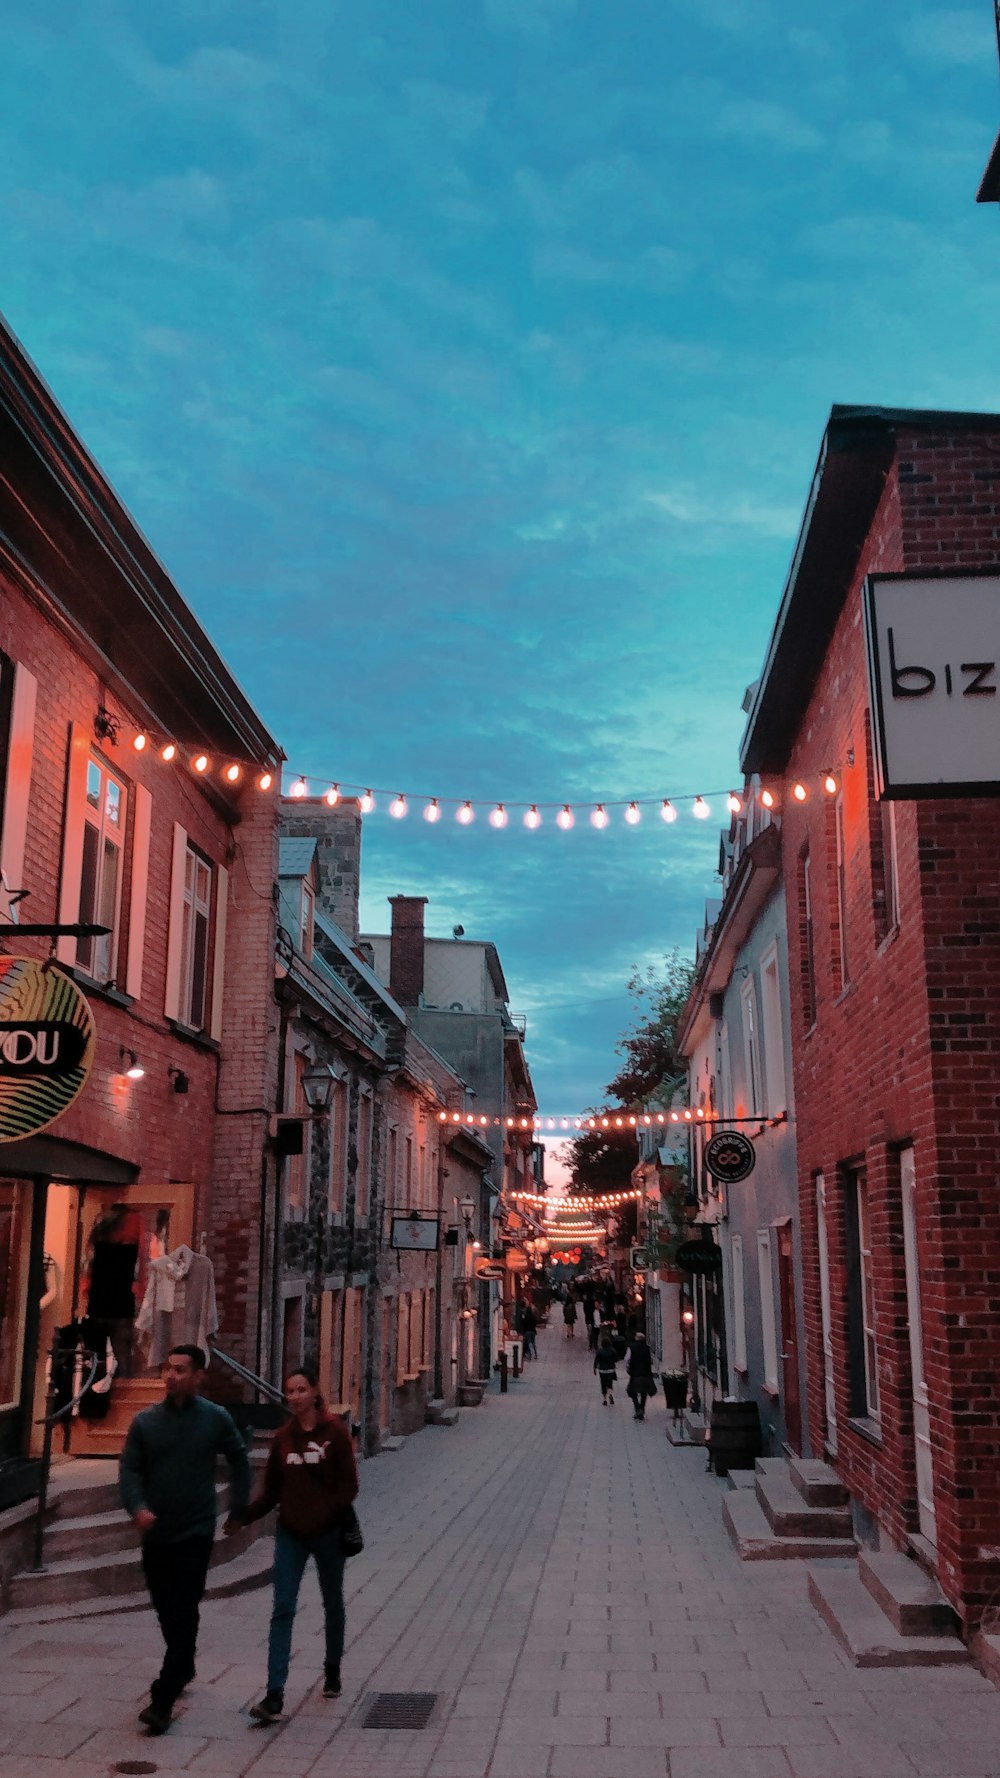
x,y
489,1269
415,1234
699,1257
47,1036
730,1157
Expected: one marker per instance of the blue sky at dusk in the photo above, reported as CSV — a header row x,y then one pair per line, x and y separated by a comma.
x,y
466,364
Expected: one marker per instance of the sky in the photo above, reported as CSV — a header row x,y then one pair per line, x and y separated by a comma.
x,y
466,363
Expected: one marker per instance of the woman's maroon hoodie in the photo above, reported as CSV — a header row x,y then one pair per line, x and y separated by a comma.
x,y
311,1477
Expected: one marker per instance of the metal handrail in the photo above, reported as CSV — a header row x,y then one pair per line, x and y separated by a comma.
x,y
248,1376
58,1354
61,1413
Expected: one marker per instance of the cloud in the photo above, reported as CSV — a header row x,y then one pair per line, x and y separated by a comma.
x,y
957,36
742,513
759,120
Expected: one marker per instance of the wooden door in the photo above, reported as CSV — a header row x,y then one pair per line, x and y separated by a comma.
x,y
789,1340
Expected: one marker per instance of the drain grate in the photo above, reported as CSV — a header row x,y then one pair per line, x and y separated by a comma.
x,y
399,1710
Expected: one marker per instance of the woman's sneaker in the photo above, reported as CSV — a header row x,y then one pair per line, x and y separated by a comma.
x,y
332,1687
269,1709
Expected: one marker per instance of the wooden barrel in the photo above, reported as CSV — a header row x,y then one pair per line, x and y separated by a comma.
x,y
734,1440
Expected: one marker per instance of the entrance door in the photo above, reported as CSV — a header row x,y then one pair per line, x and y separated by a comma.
x,y
789,1339
826,1319
923,1449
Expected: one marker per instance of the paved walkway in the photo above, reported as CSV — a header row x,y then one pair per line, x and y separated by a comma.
x,y
560,1576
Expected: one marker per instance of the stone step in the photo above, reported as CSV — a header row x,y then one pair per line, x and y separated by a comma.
x,y
742,1478
244,1574
757,1541
101,1533
865,1633
818,1484
393,1443
911,1600
788,1514
118,1572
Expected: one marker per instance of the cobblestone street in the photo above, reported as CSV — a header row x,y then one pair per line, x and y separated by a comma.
x,y
559,1575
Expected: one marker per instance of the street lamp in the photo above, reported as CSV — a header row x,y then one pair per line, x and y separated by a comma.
x,y
467,1207
317,1086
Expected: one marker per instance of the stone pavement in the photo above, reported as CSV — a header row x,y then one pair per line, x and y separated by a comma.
x,y
560,1576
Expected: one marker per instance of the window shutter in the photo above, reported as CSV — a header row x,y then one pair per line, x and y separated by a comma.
x,y
137,891
17,789
72,858
219,963
175,925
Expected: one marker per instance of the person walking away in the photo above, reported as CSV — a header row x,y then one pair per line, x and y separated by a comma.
x,y
167,1484
594,1328
529,1327
604,1365
641,1382
569,1317
588,1317
312,1478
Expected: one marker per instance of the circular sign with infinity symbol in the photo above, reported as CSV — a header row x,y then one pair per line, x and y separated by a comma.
x,y
730,1157
46,1045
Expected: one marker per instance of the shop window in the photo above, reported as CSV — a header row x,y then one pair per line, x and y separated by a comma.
x,y
15,1230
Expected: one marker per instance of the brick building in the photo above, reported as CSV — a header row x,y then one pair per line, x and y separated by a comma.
x,y
102,667
893,917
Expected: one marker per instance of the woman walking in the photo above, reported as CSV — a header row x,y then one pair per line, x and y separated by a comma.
x,y
312,1478
641,1382
569,1317
604,1365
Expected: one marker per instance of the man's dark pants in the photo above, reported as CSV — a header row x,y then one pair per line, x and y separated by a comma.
x,y
175,1575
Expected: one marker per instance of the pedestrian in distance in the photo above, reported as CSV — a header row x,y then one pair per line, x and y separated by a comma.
x,y
641,1382
167,1481
569,1317
604,1365
529,1327
594,1328
312,1479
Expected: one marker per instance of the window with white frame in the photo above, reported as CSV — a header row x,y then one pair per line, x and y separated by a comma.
x,y
774,1036
739,1305
195,929
768,1321
751,1046
101,868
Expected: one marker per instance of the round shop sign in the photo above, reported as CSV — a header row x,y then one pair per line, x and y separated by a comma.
x,y
730,1157
46,1045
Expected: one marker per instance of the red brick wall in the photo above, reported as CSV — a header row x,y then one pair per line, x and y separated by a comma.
x,y
908,1051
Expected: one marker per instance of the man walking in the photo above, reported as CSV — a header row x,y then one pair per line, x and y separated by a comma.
x,y
167,1485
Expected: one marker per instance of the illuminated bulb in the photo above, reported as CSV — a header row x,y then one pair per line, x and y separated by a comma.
x,y
140,743
564,819
265,781
433,810
667,811
367,803
767,798
498,816
701,810
733,803
799,792
830,784
299,788
232,774
168,752
466,814
599,816
633,815
397,808
201,762
533,819
332,796
688,1317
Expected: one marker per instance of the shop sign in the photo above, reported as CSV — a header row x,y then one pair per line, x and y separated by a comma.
x,y
415,1234
730,1157
934,672
47,1036
701,1258
638,1260
488,1268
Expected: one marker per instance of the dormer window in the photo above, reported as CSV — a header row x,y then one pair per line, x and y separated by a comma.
x,y
307,910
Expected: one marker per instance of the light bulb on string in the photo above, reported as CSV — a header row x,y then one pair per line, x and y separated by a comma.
x,y
397,808
498,816
767,798
830,784
232,774
799,792
201,762
599,816
533,819
667,811
466,815
564,819
332,796
432,812
169,752
734,803
700,809
299,789
367,803
265,781
633,814
140,743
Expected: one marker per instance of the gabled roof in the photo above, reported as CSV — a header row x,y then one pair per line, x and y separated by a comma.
x,y
295,857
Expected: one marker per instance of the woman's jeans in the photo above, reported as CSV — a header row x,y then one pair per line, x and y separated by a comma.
x,y
291,1554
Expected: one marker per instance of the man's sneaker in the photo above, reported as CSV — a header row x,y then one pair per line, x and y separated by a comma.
x,y
269,1709
156,1718
332,1687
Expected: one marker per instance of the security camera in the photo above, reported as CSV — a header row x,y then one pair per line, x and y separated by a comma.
x,y
458,932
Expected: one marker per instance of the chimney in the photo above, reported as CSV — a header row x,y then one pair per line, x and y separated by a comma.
x,y
337,832
406,948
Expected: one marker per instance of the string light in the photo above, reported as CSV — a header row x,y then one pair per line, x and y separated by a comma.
x,y
466,815
397,808
332,796
533,819
169,752
300,788
612,1120
201,762
830,783
734,803
265,781
232,774
140,743
799,792
367,803
667,811
564,819
633,815
701,808
599,816
767,797
432,812
498,816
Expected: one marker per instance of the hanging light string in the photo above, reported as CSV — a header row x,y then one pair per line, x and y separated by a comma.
x,y
580,1203
612,1120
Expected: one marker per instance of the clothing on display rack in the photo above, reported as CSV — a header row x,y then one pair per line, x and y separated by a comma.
x,y
178,1308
